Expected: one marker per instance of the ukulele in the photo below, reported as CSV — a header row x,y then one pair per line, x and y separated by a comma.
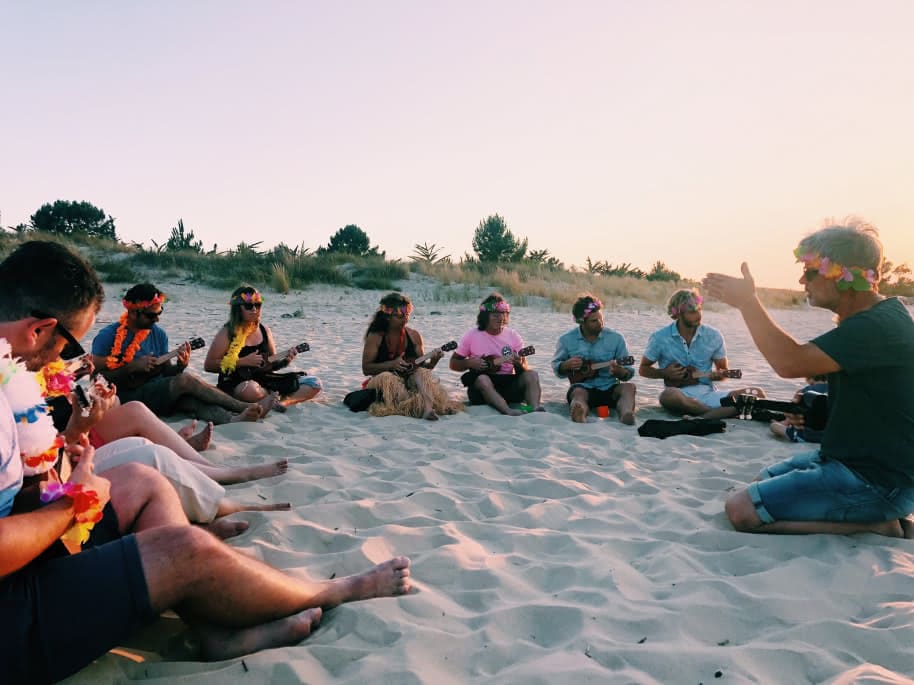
x,y
589,369
493,363
195,344
446,347
79,367
270,363
728,373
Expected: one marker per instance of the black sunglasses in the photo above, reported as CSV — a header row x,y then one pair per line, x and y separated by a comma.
x,y
72,349
810,274
251,306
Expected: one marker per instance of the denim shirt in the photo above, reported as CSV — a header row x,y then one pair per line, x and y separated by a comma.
x,y
608,345
666,347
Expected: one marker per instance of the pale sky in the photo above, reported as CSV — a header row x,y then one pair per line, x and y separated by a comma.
x,y
697,133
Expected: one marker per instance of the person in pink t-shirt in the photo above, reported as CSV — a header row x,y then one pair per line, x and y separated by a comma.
x,y
477,355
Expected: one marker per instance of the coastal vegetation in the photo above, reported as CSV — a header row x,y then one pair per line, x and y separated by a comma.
x,y
500,260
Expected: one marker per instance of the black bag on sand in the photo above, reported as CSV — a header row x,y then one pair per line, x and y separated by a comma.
x,y
658,428
360,400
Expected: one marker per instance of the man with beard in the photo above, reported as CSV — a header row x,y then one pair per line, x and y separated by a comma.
x,y
592,343
58,611
690,357
488,380
126,353
859,481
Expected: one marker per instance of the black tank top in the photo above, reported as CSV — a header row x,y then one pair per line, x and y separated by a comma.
x,y
384,354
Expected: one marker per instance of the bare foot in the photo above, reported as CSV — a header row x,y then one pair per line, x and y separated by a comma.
x,y
226,529
230,475
268,403
430,415
227,507
514,412
218,644
578,412
251,413
907,528
385,580
628,418
202,440
540,408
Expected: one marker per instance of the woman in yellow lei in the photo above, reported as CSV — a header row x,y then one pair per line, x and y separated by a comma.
x,y
391,348
240,353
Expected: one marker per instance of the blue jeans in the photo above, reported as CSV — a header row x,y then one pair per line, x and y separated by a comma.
x,y
807,487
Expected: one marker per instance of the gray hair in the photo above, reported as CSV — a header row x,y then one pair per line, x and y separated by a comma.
x,y
853,243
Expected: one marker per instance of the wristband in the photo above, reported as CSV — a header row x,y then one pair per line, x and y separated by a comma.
x,y
87,509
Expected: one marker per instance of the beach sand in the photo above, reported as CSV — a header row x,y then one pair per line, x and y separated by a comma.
x,y
542,551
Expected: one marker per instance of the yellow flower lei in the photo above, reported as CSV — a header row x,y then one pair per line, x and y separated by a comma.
x,y
114,360
230,360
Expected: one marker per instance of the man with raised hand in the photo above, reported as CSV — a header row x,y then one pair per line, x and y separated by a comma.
x,y
142,557
858,481
127,353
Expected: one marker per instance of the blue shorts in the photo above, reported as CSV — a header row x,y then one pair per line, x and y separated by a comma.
x,y
807,487
705,394
60,614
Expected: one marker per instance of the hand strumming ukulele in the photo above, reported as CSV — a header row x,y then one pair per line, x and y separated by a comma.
x,y
493,363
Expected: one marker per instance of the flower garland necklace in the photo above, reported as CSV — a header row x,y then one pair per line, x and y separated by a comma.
x,y
230,360
34,432
115,360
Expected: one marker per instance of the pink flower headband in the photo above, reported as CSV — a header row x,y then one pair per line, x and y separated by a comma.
x,y
691,304
145,304
247,298
402,309
592,306
499,306
847,277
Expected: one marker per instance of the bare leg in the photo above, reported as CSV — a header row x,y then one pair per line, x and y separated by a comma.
x,y
484,385
530,382
428,399
624,394
218,644
202,440
143,499
230,475
228,506
190,570
255,393
303,394
578,407
674,400
188,384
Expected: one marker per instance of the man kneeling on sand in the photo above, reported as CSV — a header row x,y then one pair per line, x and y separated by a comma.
x,y
60,612
129,354
859,481
591,356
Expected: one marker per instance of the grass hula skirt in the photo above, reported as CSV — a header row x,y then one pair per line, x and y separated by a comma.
x,y
401,397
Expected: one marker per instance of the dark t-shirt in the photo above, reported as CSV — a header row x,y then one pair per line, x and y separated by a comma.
x,y
871,417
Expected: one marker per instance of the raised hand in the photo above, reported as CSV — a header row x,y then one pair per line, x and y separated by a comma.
x,y
732,290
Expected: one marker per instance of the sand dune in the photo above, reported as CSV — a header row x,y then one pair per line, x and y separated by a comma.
x,y
543,551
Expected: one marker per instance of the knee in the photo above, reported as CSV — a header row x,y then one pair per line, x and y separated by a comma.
x,y
483,382
137,411
741,512
532,376
669,396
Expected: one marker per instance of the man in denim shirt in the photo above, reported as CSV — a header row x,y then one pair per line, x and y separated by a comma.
x,y
590,343
690,356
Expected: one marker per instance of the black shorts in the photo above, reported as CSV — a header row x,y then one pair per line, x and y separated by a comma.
x,y
596,398
506,385
155,394
60,614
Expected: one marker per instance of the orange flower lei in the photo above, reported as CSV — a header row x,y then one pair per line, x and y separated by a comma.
x,y
115,360
230,360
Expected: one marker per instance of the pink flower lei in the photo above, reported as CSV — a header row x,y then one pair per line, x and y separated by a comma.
x,y
247,298
402,309
500,306
846,277
693,304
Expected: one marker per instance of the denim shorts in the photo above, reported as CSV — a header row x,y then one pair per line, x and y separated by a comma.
x,y
705,394
808,487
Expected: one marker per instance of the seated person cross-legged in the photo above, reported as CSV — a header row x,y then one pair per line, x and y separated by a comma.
x,y
389,357
690,357
493,371
592,345
241,354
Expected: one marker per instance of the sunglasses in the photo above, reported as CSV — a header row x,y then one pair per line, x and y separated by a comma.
x,y
810,274
72,349
251,306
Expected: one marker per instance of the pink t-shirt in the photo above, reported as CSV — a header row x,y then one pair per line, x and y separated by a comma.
x,y
477,343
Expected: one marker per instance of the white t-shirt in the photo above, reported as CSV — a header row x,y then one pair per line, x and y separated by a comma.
x,y
10,459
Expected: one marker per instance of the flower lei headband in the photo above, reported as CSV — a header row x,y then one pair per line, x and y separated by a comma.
x,y
499,306
145,304
847,277
247,298
402,309
691,304
593,306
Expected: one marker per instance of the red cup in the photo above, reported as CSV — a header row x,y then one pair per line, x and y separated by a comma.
x,y
603,411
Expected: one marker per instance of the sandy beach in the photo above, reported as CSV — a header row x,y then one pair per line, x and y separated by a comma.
x,y
542,551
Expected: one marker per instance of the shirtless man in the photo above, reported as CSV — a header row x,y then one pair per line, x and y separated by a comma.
x,y
691,356
125,352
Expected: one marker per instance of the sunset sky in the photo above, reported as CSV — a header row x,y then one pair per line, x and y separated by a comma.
x,y
697,133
